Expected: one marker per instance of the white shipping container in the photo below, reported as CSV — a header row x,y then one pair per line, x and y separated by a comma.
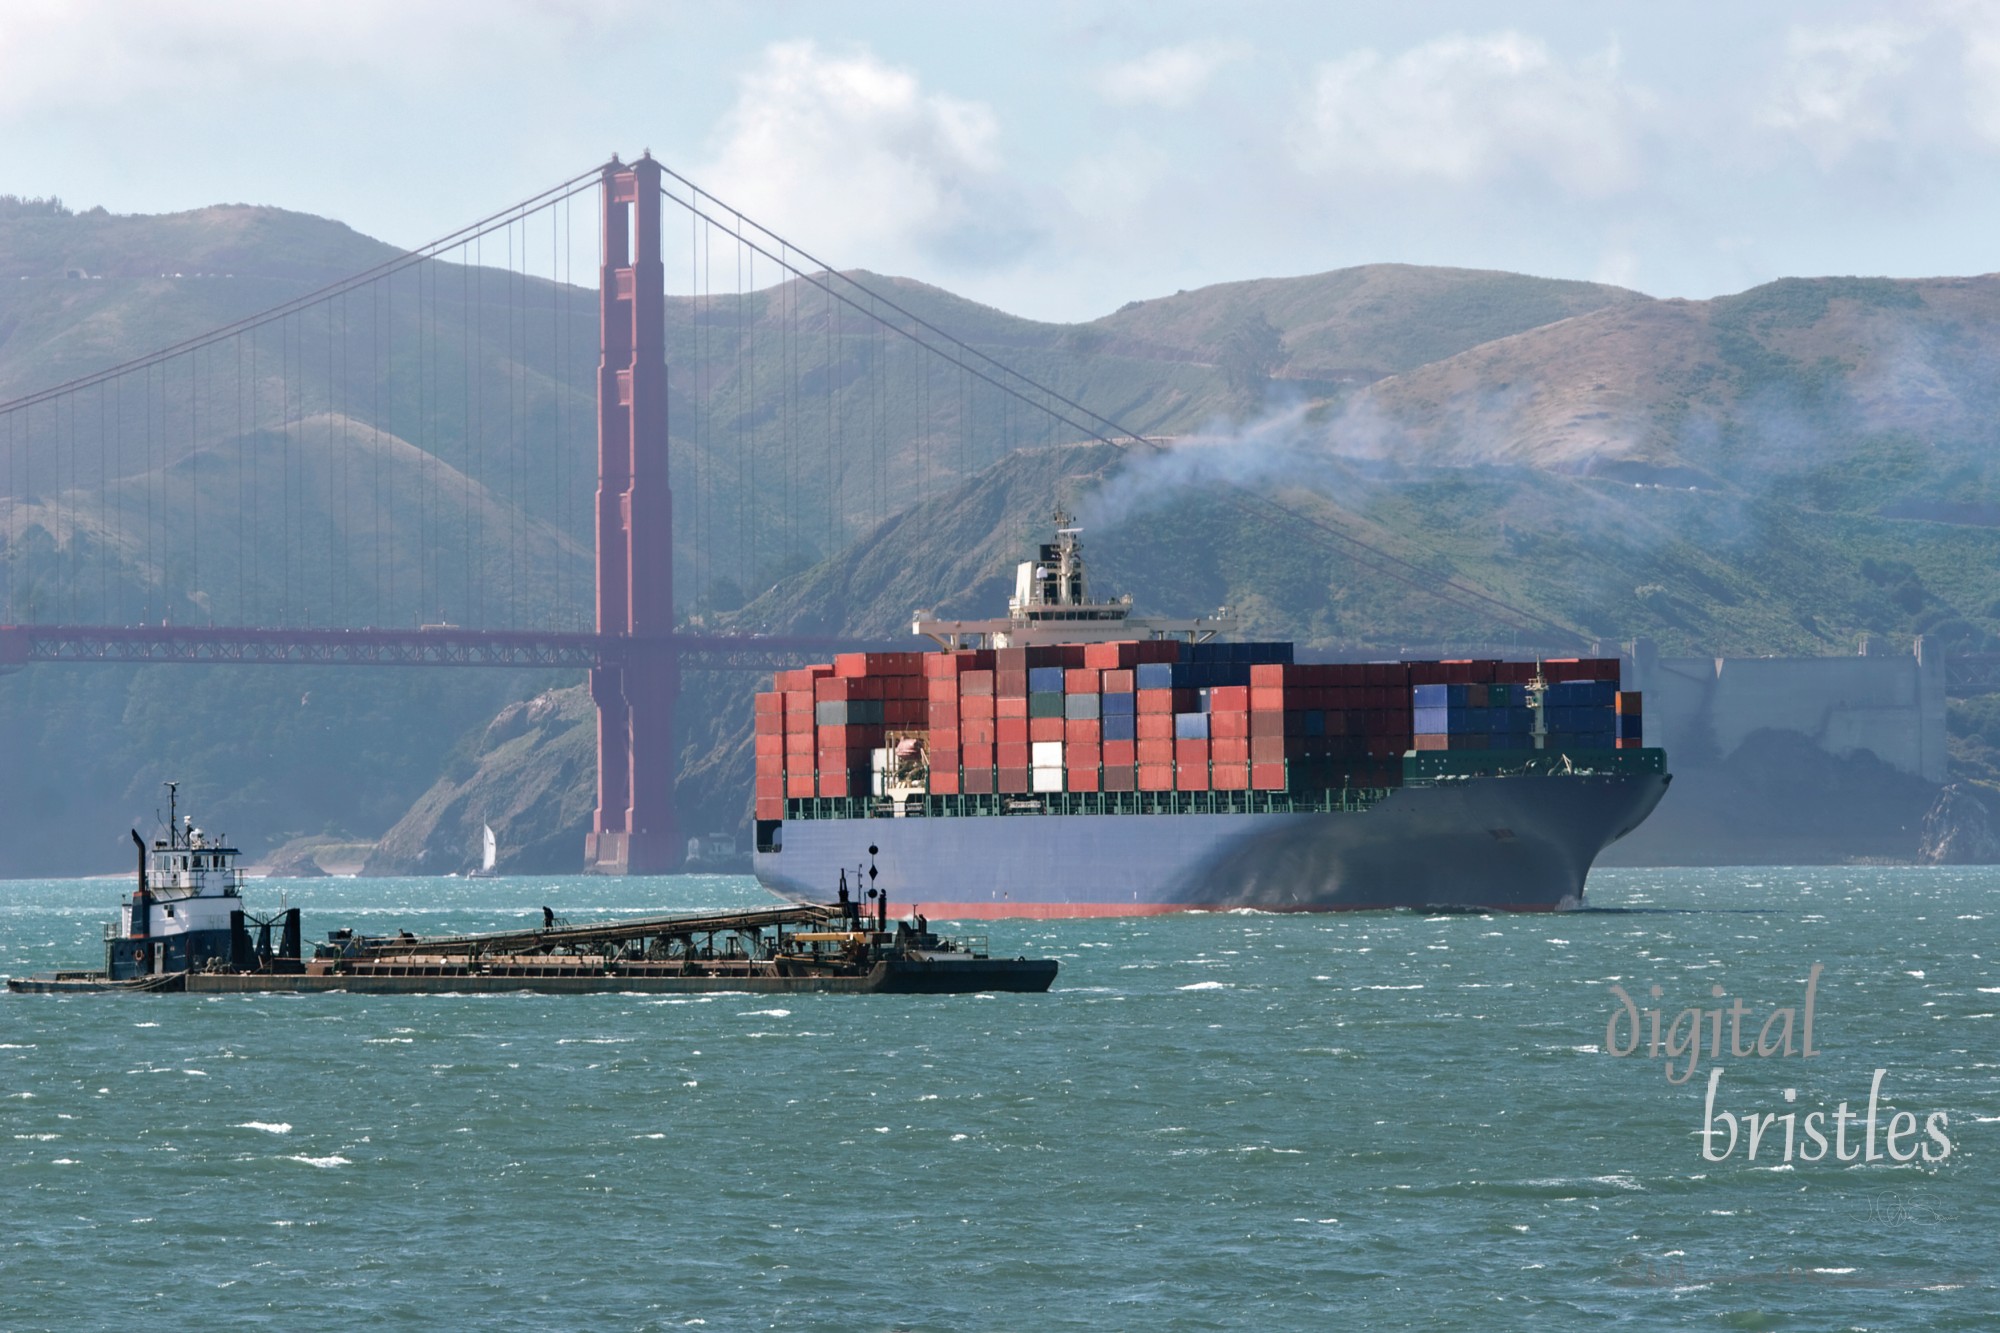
x,y
1046,754
879,760
1048,779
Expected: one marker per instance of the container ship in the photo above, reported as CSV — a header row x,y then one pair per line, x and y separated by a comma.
x,y
1071,759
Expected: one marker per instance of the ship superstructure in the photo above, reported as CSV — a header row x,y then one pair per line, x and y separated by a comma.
x,y
1052,603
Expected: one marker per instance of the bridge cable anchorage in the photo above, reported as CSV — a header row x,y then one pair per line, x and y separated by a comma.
x,y
1107,431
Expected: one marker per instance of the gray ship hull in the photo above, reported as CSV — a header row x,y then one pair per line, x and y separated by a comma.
x,y
1518,843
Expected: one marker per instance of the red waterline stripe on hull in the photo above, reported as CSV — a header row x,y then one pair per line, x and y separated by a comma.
x,y
1070,911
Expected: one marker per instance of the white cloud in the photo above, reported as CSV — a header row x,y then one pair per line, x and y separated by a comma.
x,y
858,162
1168,76
1842,87
1461,109
58,55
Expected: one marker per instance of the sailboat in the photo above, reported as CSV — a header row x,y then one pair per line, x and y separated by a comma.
x,y
489,853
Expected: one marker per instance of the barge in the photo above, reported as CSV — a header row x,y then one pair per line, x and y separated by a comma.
x,y
184,929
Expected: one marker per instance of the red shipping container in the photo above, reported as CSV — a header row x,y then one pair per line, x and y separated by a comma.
x,y
1080,779
1628,703
1011,781
837,737
1010,684
1230,777
975,683
1121,752
1045,728
1267,724
1011,731
1191,777
1011,754
1153,726
1156,777
1432,741
1267,674
940,718
1228,724
799,785
1267,698
771,807
944,781
979,755
1229,699
833,782
1630,743
981,731
944,740
1580,668
879,664
904,712
1083,756
1117,777
1267,777
1229,750
1080,680
942,690
1269,749
832,687
770,701
1154,701
1010,659
799,742
1193,752
1106,656
769,745
1082,731
1118,682
1155,752
768,724
977,781
1011,706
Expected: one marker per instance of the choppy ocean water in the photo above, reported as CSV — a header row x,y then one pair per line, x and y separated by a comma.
x,y
1214,1121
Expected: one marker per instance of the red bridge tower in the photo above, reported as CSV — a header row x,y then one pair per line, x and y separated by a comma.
x,y
634,831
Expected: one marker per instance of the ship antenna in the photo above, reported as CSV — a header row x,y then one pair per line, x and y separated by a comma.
x,y
173,812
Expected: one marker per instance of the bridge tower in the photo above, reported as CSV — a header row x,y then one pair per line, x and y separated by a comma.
x,y
633,831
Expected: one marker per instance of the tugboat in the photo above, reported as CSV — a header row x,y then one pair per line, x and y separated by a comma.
x,y
185,916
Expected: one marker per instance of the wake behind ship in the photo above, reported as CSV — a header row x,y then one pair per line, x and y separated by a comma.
x,y
1073,760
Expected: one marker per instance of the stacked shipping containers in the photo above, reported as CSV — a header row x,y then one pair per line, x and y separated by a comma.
x,y
1159,716
1486,706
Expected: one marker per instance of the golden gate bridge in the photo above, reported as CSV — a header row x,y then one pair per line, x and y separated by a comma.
x,y
397,468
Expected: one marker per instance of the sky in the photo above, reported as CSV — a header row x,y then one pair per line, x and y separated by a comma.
x,y
1060,159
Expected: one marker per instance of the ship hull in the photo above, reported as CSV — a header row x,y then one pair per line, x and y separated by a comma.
x,y
1517,843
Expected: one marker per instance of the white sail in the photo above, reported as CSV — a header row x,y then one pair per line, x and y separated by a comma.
x,y
492,851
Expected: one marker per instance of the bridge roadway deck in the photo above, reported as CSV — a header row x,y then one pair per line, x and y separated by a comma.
x,y
22,644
